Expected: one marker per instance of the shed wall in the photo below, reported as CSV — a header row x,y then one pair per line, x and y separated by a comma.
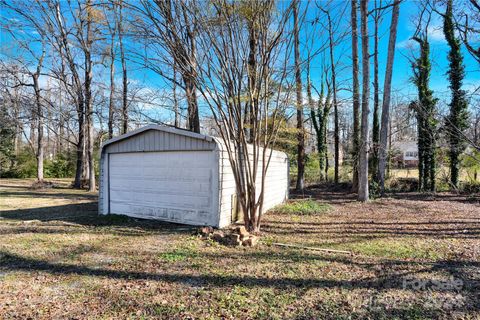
x,y
276,183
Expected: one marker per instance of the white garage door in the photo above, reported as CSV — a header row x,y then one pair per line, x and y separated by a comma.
x,y
171,186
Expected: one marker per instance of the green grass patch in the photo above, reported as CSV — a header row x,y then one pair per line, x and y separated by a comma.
x,y
302,207
186,251
400,249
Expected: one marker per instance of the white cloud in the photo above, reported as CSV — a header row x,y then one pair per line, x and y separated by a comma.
x,y
435,34
405,44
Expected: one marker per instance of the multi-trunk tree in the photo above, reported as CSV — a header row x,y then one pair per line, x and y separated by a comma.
x,y
223,84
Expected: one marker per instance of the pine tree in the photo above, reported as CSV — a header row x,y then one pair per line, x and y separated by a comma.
x,y
457,120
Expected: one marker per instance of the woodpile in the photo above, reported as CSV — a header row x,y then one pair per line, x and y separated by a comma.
x,y
236,237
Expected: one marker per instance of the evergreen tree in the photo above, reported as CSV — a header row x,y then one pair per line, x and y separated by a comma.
x,y
457,120
7,138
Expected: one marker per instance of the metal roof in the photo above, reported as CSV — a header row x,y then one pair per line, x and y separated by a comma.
x,y
168,129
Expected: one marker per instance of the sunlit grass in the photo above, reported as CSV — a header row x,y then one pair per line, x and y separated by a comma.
x,y
302,207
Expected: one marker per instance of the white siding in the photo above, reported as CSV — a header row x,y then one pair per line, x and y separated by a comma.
x,y
276,183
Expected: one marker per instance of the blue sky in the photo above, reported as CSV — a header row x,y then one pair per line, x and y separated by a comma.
x,y
402,69
402,73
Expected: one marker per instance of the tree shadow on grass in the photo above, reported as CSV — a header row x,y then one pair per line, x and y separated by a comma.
x,y
342,193
46,195
392,280
86,214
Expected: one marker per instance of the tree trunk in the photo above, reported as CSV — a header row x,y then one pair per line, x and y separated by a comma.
x,y
124,70
356,97
335,106
175,99
363,157
387,88
111,106
80,146
457,121
88,100
376,120
39,117
250,110
298,81
193,117
191,89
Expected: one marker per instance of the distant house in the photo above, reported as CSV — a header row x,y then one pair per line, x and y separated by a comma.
x,y
405,153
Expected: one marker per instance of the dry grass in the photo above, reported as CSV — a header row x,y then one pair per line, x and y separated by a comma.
x,y
58,259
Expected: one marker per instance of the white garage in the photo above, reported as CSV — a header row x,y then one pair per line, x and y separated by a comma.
x,y
163,173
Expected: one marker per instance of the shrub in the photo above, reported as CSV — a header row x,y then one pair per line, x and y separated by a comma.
x,y
404,184
302,207
471,187
62,166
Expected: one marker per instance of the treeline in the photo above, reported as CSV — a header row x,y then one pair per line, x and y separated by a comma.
x,y
263,73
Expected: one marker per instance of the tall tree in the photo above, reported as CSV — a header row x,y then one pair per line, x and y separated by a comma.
x,y
299,103
111,104
333,73
39,114
376,94
223,84
457,121
120,29
35,49
319,115
87,45
387,89
356,95
425,109
363,193
170,28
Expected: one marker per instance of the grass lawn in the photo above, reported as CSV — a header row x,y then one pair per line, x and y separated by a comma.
x,y
413,257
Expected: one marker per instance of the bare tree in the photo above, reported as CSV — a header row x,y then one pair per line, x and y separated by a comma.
x,y
387,88
363,193
223,83
29,46
120,29
376,94
112,29
299,103
86,44
356,95
172,28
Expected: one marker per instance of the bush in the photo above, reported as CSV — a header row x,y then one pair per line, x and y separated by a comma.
x,y
302,207
404,184
26,165
471,187
62,166
374,189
